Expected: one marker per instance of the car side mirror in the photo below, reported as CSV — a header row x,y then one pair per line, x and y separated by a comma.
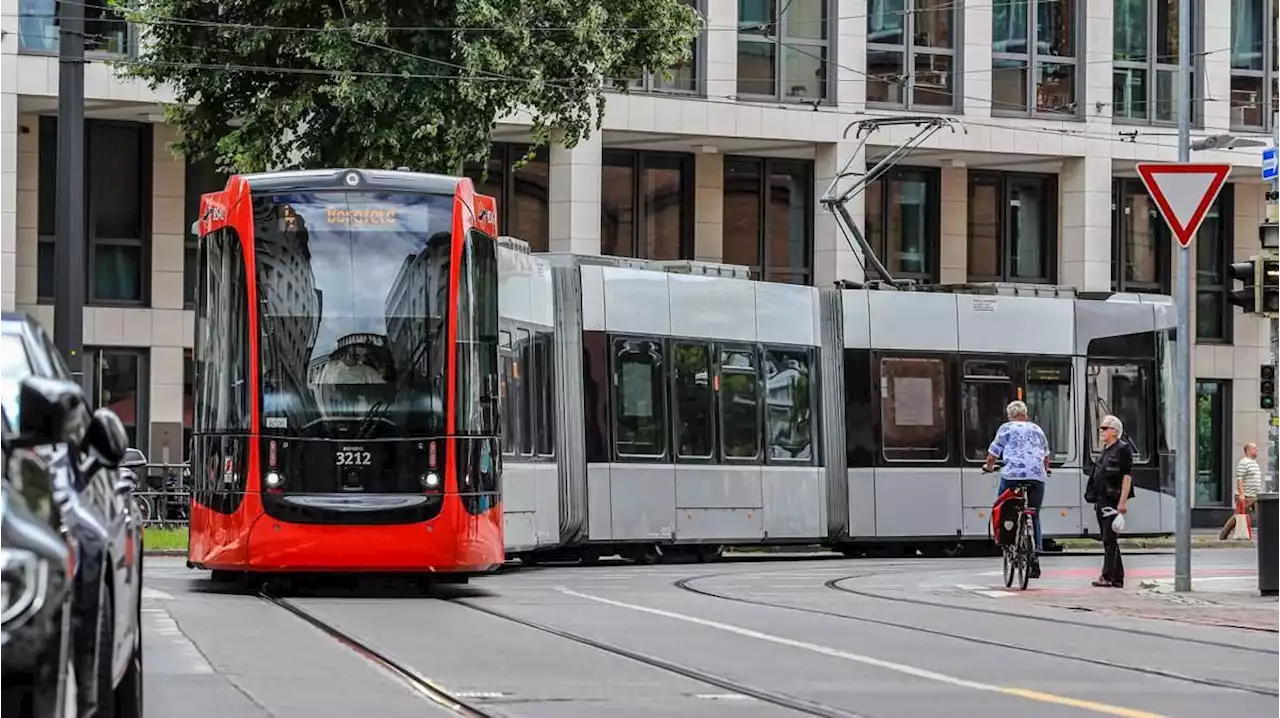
x,y
52,411
133,459
107,439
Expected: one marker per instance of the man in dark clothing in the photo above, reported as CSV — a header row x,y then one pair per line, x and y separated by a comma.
x,y
1109,490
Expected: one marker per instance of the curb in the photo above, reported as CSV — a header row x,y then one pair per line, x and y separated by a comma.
x,y
167,552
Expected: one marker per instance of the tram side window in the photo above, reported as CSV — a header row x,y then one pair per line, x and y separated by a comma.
x,y
507,389
223,341
1049,403
986,393
739,404
237,353
544,420
639,398
525,388
913,409
788,404
859,421
1123,389
694,411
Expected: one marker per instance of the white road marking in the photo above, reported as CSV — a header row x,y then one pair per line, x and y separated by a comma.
x,y
996,593
180,655
154,595
876,662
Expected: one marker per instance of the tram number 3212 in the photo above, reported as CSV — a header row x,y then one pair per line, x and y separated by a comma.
x,y
353,457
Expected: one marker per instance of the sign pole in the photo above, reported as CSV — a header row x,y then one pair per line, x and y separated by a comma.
x,y
1184,388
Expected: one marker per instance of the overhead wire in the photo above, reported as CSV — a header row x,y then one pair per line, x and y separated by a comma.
x,y
1123,133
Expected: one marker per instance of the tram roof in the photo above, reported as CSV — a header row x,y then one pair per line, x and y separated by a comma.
x,y
365,179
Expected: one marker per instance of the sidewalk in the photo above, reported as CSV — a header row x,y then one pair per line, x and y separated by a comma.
x,y
1226,601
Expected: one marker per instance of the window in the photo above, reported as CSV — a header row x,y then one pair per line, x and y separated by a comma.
x,y
510,396
1034,45
783,56
913,409
902,222
1013,221
646,204
639,398
1048,401
1253,51
521,193
1214,479
774,237
222,339
1214,244
1144,86
14,367
684,76
117,379
739,404
911,53
202,176
861,445
788,404
524,365
986,390
105,30
1124,390
694,410
118,210
544,375
1140,241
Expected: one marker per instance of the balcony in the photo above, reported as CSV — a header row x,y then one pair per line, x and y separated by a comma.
x,y
106,32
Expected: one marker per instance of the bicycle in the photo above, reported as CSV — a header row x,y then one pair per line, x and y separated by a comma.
x,y
1020,554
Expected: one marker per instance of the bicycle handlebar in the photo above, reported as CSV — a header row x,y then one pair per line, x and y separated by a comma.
x,y
1000,464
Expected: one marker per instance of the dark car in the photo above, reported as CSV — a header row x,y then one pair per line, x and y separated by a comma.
x,y
99,510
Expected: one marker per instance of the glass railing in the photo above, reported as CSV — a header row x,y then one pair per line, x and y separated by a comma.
x,y
105,31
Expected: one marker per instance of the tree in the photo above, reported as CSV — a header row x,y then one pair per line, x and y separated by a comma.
x,y
377,83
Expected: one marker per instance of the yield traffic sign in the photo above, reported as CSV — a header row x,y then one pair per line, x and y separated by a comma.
x,y
1183,192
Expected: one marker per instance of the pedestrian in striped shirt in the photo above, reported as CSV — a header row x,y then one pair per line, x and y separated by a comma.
x,y
1248,485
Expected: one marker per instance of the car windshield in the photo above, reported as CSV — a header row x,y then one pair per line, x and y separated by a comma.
x,y
352,289
14,367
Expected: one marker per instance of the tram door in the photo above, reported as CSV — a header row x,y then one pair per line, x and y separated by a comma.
x,y
988,384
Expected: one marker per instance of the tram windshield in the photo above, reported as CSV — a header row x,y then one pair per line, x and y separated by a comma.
x,y
353,294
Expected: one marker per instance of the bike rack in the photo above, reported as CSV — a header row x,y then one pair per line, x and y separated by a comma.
x,y
835,200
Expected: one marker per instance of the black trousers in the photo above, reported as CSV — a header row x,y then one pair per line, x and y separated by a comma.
x,y
1112,564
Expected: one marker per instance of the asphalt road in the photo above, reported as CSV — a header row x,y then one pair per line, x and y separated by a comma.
x,y
872,638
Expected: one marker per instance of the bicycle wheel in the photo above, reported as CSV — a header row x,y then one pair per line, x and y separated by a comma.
x,y
1026,550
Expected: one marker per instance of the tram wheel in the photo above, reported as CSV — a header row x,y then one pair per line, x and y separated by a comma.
x,y
647,556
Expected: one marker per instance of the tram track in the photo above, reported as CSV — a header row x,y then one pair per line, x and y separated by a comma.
x,y
781,700
686,584
404,674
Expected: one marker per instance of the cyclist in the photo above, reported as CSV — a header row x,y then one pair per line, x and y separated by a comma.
x,y
1025,450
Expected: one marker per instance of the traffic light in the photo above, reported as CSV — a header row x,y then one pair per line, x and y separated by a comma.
x,y
1270,280
1246,273
1267,388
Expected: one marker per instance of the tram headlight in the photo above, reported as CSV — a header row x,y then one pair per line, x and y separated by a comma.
x,y
430,480
273,480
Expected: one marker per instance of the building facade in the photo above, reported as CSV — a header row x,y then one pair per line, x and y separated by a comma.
x,y
724,160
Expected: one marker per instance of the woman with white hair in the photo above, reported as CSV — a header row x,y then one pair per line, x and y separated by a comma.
x,y
1109,490
1025,450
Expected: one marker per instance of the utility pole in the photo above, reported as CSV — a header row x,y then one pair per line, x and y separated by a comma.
x,y
1184,387
68,320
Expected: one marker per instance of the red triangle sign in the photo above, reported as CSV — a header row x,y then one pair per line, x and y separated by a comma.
x,y
1184,192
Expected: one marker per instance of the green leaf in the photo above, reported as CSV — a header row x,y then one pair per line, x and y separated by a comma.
x,y
271,84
